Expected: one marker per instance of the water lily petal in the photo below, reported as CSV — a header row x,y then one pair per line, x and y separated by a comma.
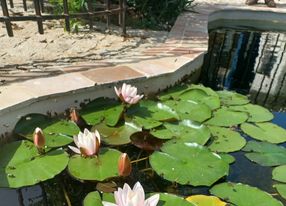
x,y
109,204
152,201
76,150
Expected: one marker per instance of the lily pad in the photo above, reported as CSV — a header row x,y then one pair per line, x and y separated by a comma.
x,y
188,163
225,140
57,132
279,173
92,199
95,168
190,110
185,131
226,118
243,195
227,158
256,113
201,94
265,154
145,141
204,200
173,92
118,135
97,110
265,132
22,165
172,200
232,98
281,188
146,123
113,114
155,110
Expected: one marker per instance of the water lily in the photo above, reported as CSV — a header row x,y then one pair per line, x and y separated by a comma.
x,y
128,94
39,138
132,197
124,165
87,143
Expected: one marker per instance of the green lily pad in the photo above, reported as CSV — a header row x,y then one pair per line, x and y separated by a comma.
x,y
232,98
92,199
185,131
21,165
265,132
265,154
256,113
279,173
172,200
146,123
57,132
173,92
227,158
201,94
95,168
226,118
190,110
281,188
118,135
244,195
188,163
101,108
225,140
204,200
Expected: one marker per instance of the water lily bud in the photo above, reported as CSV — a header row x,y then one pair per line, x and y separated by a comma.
x,y
124,165
39,138
76,118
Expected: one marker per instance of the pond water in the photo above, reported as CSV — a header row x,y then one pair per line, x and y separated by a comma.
x,y
249,62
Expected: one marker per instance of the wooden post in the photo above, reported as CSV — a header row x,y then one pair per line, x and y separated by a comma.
x,y
25,5
66,13
39,16
124,18
7,19
107,2
90,9
120,13
11,3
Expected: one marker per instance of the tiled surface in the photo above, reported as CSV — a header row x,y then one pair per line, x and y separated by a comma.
x,y
187,40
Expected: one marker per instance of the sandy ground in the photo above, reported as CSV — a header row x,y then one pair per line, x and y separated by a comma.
x,y
28,51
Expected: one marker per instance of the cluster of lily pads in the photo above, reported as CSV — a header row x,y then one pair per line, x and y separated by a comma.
x,y
187,133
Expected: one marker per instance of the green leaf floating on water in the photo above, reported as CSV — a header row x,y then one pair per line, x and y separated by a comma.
x,y
265,154
173,92
185,131
190,110
155,110
243,195
232,98
92,199
225,140
146,123
225,117
21,165
265,132
201,94
57,132
256,113
102,108
281,188
118,135
95,168
279,173
227,158
188,163
204,200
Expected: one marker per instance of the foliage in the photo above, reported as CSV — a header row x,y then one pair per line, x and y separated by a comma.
x,y
159,14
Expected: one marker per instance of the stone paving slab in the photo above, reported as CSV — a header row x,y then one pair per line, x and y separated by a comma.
x,y
187,41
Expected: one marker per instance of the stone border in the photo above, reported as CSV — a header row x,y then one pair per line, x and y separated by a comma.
x,y
181,54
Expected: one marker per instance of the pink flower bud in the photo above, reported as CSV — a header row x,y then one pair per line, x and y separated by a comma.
x,y
39,138
124,165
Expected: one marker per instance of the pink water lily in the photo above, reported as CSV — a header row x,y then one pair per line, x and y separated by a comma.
x,y
87,143
39,138
132,197
128,94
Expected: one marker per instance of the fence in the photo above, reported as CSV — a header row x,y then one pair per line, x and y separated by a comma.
x,y
90,14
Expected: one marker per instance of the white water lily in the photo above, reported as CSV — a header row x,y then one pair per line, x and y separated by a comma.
x,y
132,197
128,94
87,143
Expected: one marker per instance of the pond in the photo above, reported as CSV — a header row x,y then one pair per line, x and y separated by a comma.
x,y
186,141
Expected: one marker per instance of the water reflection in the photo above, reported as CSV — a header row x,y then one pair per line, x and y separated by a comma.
x,y
250,62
